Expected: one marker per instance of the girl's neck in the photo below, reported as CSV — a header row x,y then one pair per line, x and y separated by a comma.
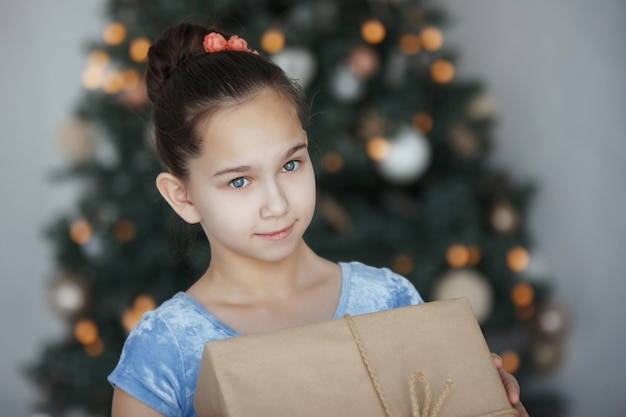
x,y
244,280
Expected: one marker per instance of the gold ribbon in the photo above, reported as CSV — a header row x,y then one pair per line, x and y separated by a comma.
x,y
417,376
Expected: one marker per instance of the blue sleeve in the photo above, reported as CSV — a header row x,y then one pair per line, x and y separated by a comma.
x,y
403,292
151,368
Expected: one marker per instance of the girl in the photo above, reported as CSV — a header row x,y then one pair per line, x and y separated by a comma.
x,y
229,131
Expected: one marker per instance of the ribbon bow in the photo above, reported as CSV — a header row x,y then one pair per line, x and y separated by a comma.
x,y
417,376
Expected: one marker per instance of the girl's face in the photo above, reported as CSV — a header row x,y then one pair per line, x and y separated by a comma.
x,y
253,187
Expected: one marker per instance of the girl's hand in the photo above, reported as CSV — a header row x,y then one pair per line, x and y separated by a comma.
x,y
511,386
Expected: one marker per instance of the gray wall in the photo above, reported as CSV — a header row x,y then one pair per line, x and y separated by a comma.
x,y
41,60
554,67
557,69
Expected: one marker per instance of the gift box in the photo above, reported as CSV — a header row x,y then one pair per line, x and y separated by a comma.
x,y
423,361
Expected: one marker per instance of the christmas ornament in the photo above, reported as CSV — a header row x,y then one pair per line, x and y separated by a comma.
x,y
466,283
299,64
346,86
504,217
68,294
363,61
407,158
551,322
76,139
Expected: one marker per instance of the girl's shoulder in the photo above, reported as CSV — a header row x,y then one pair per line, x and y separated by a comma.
x,y
181,316
368,288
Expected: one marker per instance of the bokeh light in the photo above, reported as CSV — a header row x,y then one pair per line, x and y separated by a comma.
x,y
80,231
423,122
377,148
474,255
458,256
522,294
373,31
332,162
144,303
86,331
442,71
410,44
114,34
114,82
431,38
125,230
518,259
272,41
96,348
138,49
510,361
403,264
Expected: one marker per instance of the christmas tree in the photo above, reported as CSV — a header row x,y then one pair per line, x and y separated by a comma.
x,y
401,148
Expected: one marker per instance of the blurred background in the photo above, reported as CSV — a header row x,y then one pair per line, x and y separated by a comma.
x,y
553,74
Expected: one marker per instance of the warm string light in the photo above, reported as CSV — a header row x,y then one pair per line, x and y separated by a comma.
x,y
522,294
97,64
410,44
373,31
81,231
332,162
431,38
138,49
273,41
124,230
114,34
459,256
377,148
423,122
403,264
98,74
510,361
113,82
86,333
142,304
518,259
442,71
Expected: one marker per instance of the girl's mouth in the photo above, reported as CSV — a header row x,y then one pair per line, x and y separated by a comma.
x,y
277,235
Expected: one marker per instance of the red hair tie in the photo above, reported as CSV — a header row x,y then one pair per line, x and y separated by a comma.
x,y
215,42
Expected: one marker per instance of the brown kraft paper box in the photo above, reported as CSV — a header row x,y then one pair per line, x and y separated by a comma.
x,y
373,365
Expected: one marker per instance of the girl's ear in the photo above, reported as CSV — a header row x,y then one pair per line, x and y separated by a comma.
x,y
174,192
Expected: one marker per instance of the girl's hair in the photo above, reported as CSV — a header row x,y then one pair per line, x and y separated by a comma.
x,y
188,85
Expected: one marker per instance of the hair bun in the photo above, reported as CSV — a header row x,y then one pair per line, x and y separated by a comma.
x,y
172,49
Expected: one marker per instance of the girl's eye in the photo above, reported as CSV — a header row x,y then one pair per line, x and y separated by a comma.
x,y
238,183
291,166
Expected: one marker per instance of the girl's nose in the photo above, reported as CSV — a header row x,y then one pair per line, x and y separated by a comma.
x,y
275,202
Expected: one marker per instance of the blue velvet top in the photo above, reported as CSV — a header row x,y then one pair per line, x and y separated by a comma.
x,y
161,357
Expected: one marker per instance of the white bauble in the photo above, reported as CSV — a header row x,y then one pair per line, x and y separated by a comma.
x,y
67,294
298,63
407,158
466,283
346,85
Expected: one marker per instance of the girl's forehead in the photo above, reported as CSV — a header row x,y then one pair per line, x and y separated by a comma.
x,y
267,124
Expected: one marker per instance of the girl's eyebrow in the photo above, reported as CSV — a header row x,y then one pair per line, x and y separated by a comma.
x,y
242,169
